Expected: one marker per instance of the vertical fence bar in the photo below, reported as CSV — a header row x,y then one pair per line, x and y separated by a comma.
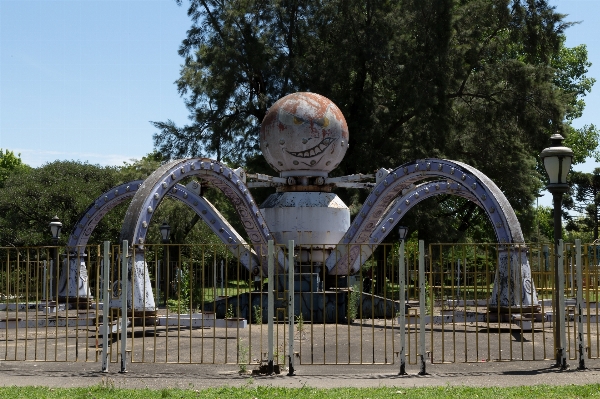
x,y
52,278
271,305
580,349
591,294
291,307
560,311
17,290
44,283
402,314
422,294
105,306
124,267
158,265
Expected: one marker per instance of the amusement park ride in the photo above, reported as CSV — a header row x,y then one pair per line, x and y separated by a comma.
x,y
304,136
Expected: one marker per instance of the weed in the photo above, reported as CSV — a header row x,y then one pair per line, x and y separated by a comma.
x,y
353,302
178,306
257,314
279,355
107,383
242,356
181,290
428,295
300,323
229,313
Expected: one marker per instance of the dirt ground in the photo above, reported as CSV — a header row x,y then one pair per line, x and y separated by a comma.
x,y
360,342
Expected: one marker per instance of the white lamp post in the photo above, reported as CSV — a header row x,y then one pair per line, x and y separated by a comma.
x,y
165,232
55,227
402,232
557,161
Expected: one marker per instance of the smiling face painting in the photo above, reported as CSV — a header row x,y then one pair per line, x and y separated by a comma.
x,y
304,134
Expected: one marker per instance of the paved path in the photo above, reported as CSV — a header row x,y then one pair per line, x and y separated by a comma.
x,y
157,376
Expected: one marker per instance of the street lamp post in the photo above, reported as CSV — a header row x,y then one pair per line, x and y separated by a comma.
x,y
402,231
557,162
55,227
165,232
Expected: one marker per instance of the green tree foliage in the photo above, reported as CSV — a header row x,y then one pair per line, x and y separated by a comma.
x,y
544,225
480,81
9,163
485,82
140,169
32,196
571,66
585,200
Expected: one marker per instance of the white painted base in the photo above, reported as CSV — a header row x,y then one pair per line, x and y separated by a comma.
x,y
51,321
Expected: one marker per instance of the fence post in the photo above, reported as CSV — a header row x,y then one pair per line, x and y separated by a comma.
x,y
105,305
270,305
580,349
291,307
422,294
124,283
402,316
562,339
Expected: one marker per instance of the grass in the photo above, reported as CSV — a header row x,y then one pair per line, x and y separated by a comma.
x,y
249,391
230,288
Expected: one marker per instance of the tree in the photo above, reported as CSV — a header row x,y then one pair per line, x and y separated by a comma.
x,y
9,163
140,169
585,200
31,197
571,66
544,220
485,82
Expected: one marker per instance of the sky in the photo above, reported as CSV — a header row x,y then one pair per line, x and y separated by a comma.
x,y
82,79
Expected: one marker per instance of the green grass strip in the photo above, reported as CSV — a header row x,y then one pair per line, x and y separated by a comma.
x,y
259,392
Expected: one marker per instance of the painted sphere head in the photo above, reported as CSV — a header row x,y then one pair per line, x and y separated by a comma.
x,y
304,134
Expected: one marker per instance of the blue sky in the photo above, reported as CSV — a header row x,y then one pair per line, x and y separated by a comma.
x,y
81,79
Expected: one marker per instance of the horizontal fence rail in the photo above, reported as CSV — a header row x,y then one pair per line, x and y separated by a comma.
x,y
203,306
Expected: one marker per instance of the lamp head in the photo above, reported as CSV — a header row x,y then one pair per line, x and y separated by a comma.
x,y
557,162
402,232
55,227
165,231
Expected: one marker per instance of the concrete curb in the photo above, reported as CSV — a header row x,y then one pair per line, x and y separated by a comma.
x,y
158,376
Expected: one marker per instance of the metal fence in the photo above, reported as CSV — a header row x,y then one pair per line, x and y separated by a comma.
x,y
35,322
208,308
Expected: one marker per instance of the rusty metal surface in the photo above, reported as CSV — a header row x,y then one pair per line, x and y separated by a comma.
x,y
487,194
159,183
304,134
